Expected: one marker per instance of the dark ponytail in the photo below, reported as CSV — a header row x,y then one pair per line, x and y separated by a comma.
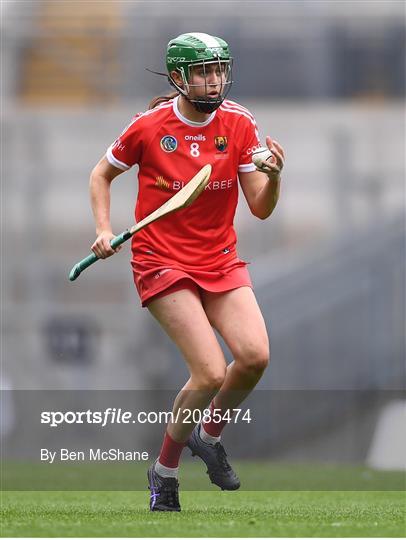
x,y
161,99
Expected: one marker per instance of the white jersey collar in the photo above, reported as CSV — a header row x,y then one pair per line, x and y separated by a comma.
x,y
186,120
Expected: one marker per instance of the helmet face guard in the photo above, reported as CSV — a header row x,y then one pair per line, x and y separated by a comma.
x,y
191,51
206,103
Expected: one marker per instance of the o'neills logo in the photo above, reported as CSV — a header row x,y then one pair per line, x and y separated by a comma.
x,y
162,183
199,137
221,142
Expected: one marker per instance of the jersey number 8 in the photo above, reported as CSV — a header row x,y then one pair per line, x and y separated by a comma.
x,y
194,150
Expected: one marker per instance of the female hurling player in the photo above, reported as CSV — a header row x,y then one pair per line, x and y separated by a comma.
x,y
186,268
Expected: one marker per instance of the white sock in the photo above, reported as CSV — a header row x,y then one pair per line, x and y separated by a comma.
x,y
166,471
208,439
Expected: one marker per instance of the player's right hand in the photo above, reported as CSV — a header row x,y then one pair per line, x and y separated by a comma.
x,y
102,248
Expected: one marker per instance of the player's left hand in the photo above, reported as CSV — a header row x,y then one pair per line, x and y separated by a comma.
x,y
274,166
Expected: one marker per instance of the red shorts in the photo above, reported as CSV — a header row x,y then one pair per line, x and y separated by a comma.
x,y
152,279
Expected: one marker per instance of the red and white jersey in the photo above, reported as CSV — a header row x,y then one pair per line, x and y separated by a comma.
x,y
170,150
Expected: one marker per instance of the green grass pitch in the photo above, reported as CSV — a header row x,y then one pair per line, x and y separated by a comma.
x,y
213,513
244,514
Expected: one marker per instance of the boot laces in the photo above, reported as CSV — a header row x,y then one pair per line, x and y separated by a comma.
x,y
170,491
222,457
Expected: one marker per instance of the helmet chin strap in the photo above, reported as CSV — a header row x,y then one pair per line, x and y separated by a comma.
x,y
206,106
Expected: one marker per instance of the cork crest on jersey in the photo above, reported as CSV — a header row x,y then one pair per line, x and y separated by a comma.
x,y
221,142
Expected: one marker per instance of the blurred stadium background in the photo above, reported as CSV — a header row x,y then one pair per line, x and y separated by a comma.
x,y
327,80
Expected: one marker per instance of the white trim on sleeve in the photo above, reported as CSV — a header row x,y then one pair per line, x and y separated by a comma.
x,y
115,162
247,167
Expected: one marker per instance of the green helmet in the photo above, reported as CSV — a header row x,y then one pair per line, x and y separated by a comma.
x,y
197,49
